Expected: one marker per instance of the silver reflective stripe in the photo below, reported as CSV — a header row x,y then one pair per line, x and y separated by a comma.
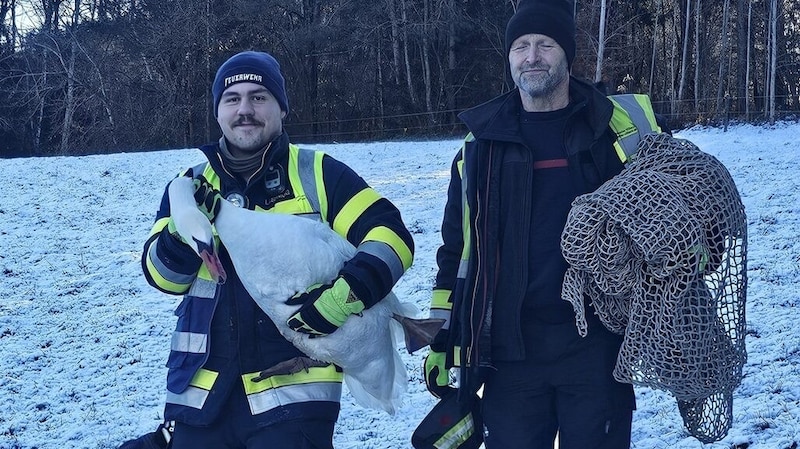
x,y
441,314
457,434
166,273
198,169
189,342
204,289
462,269
293,394
305,169
639,118
636,113
386,254
191,397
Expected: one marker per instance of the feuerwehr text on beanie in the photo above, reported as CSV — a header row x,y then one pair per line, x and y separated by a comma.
x,y
552,18
251,67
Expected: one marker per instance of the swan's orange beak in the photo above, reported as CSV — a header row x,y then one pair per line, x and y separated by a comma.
x,y
209,257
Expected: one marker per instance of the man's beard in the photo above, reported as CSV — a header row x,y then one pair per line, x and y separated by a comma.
x,y
543,84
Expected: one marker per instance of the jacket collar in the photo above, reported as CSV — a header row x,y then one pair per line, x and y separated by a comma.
x,y
278,154
498,118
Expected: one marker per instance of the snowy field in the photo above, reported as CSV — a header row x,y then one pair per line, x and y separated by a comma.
x,y
83,338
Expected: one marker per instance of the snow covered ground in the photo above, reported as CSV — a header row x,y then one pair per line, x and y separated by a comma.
x,y
83,339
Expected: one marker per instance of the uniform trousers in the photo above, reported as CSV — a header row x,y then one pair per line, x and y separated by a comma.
x,y
235,428
563,387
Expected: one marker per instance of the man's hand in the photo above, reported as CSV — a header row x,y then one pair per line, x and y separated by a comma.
x,y
208,198
435,369
325,308
437,376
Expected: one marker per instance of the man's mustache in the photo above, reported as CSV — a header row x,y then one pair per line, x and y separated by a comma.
x,y
247,121
535,67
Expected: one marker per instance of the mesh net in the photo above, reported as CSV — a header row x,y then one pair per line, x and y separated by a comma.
x,y
659,252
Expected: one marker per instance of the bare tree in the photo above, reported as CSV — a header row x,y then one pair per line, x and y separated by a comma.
x,y
723,58
601,43
772,57
685,51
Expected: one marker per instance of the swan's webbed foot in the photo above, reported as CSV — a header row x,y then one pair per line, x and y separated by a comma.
x,y
418,332
290,366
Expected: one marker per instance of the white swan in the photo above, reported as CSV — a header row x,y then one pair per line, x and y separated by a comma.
x,y
279,255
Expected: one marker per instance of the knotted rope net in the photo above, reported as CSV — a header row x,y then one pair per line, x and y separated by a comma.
x,y
659,252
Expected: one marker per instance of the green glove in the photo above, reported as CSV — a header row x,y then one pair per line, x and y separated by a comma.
x,y
208,199
437,376
324,309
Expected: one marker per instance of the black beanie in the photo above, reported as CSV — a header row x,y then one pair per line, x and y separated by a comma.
x,y
552,18
251,67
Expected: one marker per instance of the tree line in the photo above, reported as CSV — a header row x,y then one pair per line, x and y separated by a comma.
x,y
94,76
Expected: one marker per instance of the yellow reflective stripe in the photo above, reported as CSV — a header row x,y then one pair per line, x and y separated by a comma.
x,y
294,206
204,379
441,307
441,299
353,209
621,154
294,174
465,226
322,194
158,226
470,137
632,118
456,356
293,394
457,435
211,176
305,179
313,374
204,274
196,394
385,235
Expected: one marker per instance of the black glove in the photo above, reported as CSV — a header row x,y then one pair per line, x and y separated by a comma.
x,y
207,197
325,308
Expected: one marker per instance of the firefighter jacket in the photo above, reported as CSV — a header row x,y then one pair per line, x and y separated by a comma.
x,y
467,284
223,340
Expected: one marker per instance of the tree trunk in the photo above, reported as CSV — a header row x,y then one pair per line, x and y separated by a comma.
x,y
742,48
69,100
207,100
685,52
411,95
426,62
773,57
379,82
41,92
653,58
747,65
395,36
723,59
698,59
601,43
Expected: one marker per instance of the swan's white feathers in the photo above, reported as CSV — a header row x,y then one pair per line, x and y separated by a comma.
x,y
191,224
278,255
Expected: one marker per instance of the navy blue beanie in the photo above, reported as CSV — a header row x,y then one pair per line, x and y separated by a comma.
x,y
251,67
552,18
